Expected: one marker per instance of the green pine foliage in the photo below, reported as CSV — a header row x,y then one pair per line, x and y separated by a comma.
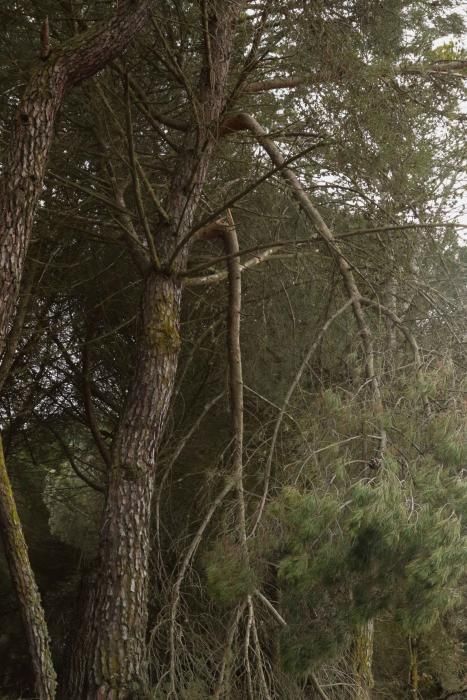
x,y
229,576
379,548
340,544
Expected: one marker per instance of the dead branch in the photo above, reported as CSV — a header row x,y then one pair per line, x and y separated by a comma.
x,y
246,121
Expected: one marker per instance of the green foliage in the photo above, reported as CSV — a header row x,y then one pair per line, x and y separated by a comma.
x,y
74,509
335,550
346,558
448,51
448,440
229,576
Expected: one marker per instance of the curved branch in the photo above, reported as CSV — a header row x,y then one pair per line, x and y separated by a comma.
x,y
247,122
72,462
288,396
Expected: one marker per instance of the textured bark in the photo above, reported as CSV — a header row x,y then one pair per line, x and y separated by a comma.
x,y
20,188
413,670
32,137
362,653
108,660
26,589
108,656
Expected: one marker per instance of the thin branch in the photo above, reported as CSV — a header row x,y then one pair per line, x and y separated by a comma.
x,y
288,396
92,193
90,415
246,650
136,184
183,569
72,462
233,200
259,652
275,613
180,447
226,657
152,117
400,324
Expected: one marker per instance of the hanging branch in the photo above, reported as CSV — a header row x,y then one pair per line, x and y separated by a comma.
x,y
241,122
231,247
227,232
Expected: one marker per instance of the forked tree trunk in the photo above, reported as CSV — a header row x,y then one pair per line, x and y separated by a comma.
x,y
20,187
33,132
108,657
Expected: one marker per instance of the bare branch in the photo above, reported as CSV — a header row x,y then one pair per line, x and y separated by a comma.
x,y
213,216
288,396
246,121
136,184
90,415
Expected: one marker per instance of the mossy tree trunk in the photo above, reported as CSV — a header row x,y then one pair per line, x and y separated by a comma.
x,y
108,655
109,659
25,586
57,71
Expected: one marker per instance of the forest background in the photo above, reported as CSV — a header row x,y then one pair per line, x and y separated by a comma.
x,y
233,327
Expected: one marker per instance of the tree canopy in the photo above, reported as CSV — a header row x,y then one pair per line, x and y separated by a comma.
x,y
232,316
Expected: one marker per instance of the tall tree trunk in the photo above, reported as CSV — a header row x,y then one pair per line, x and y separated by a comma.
x,y
26,589
21,184
108,657
20,187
